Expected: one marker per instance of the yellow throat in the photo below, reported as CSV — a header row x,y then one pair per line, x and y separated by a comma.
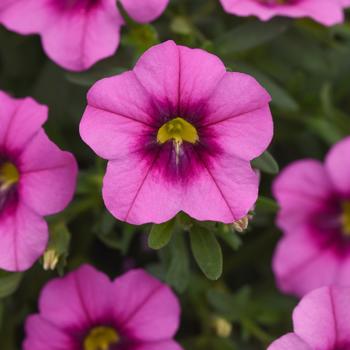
x,y
101,338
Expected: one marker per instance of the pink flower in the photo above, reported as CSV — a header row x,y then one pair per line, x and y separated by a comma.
x,y
315,218
321,322
76,33
85,310
179,133
327,12
36,179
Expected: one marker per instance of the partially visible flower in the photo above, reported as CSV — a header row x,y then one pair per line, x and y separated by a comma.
x,y
76,33
315,218
321,322
179,132
327,12
85,310
36,179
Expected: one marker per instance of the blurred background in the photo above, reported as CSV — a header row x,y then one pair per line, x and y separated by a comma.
x,y
305,67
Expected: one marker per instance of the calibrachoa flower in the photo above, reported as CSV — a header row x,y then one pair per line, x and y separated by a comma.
x,y
86,311
315,218
36,179
327,12
76,33
321,322
179,133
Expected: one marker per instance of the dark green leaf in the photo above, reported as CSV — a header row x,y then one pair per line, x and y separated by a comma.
x,y
266,163
9,283
250,35
206,251
160,234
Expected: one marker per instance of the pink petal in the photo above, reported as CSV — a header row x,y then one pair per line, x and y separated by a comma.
x,y
162,345
48,176
42,335
302,188
20,120
237,94
146,309
86,295
315,320
245,136
178,77
338,166
300,264
134,192
200,72
158,70
327,12
289,342
224,191
78,39
119,111
14,15
142,11
23,237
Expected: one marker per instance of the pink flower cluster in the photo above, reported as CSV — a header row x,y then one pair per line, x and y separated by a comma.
x,y
179,132
36,179
85,310
315,218
327,12
76,33
321,321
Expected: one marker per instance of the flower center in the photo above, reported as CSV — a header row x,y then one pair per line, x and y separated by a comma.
x,y
9,176
276,2
346,218
101,338
178,130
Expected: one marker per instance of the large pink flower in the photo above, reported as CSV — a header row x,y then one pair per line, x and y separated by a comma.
x,y
76,33
36,179
327,12
85,310
321,322
315,218
179,132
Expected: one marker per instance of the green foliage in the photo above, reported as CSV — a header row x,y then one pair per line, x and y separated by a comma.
x,y
304,66
207,251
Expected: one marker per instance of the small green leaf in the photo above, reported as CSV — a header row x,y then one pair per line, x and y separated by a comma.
x,y
161,234
266,163
249,35
9,283
266,204
178,274
207,251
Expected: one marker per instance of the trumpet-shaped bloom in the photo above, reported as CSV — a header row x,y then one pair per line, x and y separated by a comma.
x,y
85,310
179,133
36,179
315,218
326,12
76,33
321,322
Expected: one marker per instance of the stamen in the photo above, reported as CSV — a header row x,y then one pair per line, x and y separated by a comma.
x,y
178,130
346,218
9,176
101,338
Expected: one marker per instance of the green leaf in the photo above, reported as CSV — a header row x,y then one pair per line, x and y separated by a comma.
x,y
161,234
207,252
226,233
266,204
9,283
178,274
266,163
250,35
